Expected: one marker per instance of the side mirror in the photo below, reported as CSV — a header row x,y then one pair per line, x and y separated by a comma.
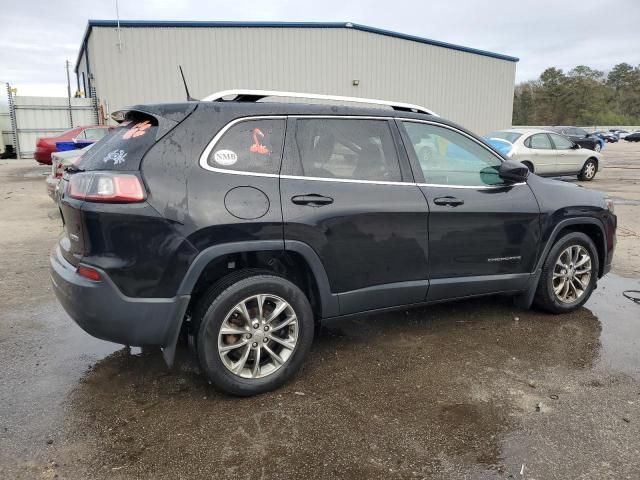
x,y
513,172
575,146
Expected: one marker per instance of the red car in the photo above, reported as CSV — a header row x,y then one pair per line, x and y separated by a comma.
x,y
46,146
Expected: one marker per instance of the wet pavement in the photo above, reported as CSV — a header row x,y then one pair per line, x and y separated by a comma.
x,y
474,389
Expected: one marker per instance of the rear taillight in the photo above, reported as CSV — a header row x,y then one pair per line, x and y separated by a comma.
x,y
106,187
58,168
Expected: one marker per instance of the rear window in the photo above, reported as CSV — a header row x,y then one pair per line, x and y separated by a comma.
x,y
123,147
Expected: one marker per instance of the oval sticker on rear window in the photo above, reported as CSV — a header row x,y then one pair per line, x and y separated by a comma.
x,y
225,157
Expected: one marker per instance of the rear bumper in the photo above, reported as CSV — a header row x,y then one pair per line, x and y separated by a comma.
x,y
101,310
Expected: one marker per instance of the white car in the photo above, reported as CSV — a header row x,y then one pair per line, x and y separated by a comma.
x,y
59,161
550,154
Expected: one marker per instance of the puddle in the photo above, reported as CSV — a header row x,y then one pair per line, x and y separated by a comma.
x,y
620,318
449,390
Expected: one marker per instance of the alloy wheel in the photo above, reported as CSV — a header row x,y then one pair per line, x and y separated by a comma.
x,y
572,274
589,170
258,336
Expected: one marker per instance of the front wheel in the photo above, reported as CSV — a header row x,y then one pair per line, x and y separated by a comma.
x,y
589,170
598,147
569,274
254,335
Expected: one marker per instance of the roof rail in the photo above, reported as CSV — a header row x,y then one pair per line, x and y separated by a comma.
x,y
255,95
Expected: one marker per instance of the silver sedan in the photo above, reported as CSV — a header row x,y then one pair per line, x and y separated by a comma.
x,y
549,154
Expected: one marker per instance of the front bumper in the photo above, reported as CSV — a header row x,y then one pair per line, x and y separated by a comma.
x,y
101,310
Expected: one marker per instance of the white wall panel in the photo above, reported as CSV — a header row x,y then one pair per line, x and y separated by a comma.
x,y
474,90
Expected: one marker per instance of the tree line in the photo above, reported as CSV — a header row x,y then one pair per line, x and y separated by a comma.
x,y
583,96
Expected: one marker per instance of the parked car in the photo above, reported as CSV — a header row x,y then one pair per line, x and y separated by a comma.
x,y
243,223
60,161
550,154
45,146
580,136
620,133
633,137
609,137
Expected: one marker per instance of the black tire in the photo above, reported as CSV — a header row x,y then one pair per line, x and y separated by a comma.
x,y
529,165
545,297
589,170
212,311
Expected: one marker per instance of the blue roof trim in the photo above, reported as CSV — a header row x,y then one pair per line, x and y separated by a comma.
x,y
207,24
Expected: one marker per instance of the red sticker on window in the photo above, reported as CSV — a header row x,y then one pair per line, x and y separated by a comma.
x,y
257,146
137,130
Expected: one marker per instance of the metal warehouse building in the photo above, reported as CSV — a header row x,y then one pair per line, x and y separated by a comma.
x,y
137,62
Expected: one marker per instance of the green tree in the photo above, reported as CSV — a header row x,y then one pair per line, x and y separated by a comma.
x,y
582,96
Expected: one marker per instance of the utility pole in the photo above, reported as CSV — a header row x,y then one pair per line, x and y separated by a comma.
x,y
69,95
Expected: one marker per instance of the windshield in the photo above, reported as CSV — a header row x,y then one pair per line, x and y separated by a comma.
x,y
508,136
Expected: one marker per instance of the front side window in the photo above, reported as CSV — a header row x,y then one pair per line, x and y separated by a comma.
x,y
349,149
561,142
540,141
447,157
250,146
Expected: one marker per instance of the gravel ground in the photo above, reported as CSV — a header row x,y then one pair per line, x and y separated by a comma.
x,y
474,389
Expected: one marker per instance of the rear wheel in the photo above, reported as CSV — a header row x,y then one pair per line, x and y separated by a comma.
x,y
589,170
598,147
569,274
254,334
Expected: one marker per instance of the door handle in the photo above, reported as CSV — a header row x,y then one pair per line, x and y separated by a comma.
x,y
449,201
312,199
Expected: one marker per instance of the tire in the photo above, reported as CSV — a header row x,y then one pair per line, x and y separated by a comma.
x,y
546,297
598,147
221,306
589,170
529,165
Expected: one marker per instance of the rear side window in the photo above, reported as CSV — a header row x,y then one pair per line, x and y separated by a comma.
x,y
123,147
250,146
347,149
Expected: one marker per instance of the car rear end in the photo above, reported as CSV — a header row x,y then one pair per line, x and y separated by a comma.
x,y
44,148
113,269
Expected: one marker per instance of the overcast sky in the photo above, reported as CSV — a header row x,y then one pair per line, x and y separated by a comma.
x,y
36,37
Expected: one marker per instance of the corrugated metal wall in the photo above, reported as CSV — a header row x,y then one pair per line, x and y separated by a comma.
x,y
46,117
474,90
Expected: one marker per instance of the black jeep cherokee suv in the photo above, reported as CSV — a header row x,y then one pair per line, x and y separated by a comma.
x,y
242,222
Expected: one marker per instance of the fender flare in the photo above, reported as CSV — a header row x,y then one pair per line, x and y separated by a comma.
x,y
526,298
329,301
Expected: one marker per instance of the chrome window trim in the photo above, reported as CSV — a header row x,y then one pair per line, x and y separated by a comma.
x,y
211,145
344,180
474,187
